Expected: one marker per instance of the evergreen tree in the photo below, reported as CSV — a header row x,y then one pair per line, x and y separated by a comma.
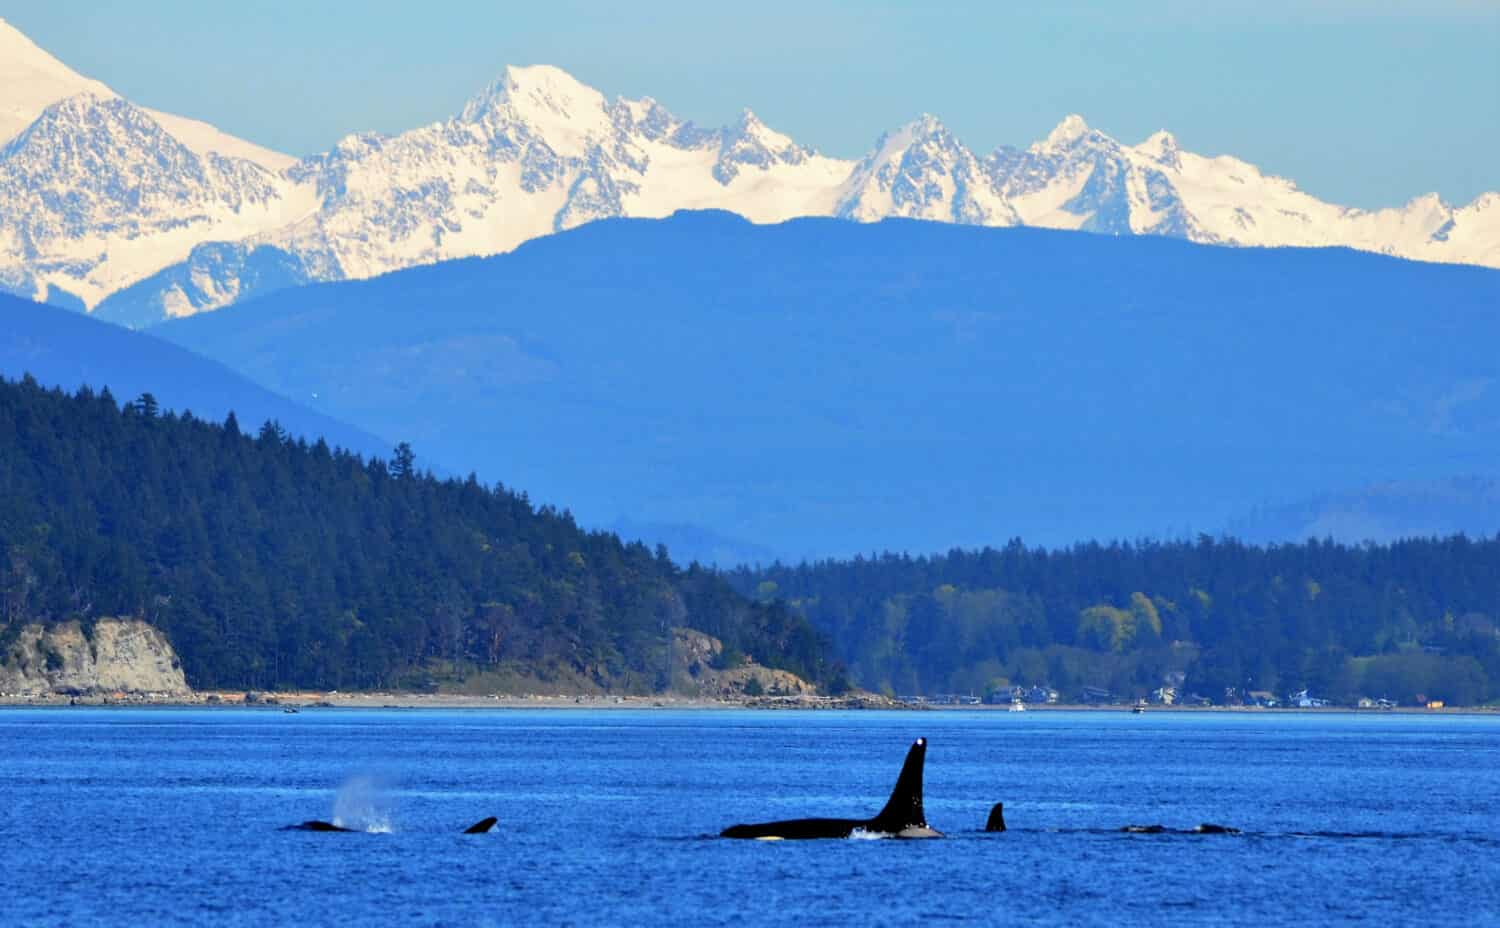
x,y
403,462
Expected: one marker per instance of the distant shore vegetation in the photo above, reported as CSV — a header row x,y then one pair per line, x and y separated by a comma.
x,y
1206,621
274,563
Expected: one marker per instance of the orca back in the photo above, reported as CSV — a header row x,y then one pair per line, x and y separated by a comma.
x,y
481,826
314,825
796,829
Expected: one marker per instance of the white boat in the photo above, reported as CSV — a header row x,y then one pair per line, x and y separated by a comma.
x,y
1017,706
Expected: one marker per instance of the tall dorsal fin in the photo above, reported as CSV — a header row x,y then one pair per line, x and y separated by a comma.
x,y
904,808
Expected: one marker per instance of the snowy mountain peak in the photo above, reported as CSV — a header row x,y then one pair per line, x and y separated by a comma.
x,y
68,126
1485,201
1067,132
31,80
1432,200
922,171
926,129
1162,148
749,128
541,102
104,153
926,126
96,191
751,143
541,91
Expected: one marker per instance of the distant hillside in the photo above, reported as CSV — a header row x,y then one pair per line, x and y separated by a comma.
x,y
272,562
691,543
66,349
824,388
1382,513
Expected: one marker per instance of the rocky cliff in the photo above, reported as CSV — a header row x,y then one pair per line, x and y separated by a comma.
x,y
119,656
701,670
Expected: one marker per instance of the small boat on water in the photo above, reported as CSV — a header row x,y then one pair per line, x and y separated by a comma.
x,y
1017,705
1139,708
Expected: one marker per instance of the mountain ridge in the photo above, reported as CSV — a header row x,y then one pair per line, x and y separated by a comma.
x,y
536,152
822,387
61,348
33,80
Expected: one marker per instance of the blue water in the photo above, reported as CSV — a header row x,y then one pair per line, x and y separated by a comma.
x,y
166,817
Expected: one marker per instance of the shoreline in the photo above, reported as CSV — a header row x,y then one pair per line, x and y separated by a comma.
x,y
299,701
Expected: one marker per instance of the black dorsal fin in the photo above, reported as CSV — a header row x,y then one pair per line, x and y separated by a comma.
x,y
904,808
997,818
481,826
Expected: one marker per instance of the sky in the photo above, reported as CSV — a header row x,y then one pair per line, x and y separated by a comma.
x,y
1362,102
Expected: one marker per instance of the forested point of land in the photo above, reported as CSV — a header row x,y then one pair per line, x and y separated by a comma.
x,y
1410,622
272,563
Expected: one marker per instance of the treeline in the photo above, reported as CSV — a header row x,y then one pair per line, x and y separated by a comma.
x,y
274,563
1407,621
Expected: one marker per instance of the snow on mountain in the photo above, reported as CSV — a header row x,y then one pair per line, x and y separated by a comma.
x,y
32,80
533,153
97,195
142,216
1080,178
920,171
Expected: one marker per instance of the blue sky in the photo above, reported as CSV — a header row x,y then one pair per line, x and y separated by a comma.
x,y
1366,103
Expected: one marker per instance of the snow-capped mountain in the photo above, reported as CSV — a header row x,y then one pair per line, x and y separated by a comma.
x,y
95,191
533,153
142,216
32,80
921,171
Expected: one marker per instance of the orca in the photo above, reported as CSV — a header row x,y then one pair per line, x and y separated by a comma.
x,y
478,828
1207,828
902,816
314,825
996,821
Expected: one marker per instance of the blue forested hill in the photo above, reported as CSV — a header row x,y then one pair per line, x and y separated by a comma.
x,y
67,349
823,387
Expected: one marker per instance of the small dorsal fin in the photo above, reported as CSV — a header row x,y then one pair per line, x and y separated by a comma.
x,y
481,826
997,818
904,808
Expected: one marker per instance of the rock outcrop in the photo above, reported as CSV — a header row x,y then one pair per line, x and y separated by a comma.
x,y
697,657
119,656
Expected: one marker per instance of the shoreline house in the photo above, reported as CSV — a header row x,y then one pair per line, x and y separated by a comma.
x,y
1035,695
1304,700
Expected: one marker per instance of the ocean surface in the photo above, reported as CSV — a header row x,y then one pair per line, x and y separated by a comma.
x,y
173,817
